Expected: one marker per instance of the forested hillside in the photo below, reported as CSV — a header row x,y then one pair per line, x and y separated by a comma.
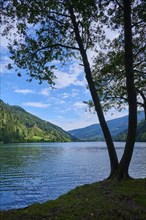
x,y
17,125
141,133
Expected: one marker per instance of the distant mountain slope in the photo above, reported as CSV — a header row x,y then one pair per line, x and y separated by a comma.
x,y
17,125
141,133
94,132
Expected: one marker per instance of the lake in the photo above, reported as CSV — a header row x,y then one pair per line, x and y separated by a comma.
x,y
37,172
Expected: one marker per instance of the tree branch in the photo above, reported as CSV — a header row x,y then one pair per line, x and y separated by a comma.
x,y
135,55
60,14
55,45
57,21
119,5
141,104
138,71
116,97
137,23
142,94
137,64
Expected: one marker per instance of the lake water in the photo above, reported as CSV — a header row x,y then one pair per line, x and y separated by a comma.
x,y
37,172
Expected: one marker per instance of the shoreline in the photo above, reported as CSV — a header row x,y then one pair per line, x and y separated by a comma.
x,y
99,200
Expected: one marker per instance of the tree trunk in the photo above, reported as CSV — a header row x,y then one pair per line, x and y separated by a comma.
x,y
145,111
98,108
143,96
144,106
122,171
118,170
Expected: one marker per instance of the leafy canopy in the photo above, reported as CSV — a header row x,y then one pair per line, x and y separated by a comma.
x,y
45,33
109,70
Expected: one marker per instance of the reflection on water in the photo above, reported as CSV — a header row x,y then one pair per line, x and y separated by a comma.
x,y
40,171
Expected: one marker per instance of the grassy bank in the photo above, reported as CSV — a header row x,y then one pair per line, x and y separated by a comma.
x,y
106,200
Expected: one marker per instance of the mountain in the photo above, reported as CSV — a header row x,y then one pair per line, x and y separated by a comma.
x,y
94,132
17,125
141,133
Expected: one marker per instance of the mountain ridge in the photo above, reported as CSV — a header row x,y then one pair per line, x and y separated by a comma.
x,y
94,132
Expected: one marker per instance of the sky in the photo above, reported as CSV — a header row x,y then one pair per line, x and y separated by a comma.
x,y
62,106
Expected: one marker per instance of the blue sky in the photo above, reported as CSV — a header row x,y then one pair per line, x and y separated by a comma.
x,y
62,106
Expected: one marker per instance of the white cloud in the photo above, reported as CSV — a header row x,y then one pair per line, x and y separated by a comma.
x,y
68,95
5,60
24,91
36,104
64,79
65,95
76,68
79,105
75,93
113,113
45,92
61,102
110,34
64,110
83,120
74,76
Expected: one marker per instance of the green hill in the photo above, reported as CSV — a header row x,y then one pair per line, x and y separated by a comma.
x,y
17,125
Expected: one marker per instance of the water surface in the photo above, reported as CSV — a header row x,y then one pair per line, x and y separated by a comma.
x,y
37,172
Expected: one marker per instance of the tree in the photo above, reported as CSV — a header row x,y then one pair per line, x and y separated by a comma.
x,y
109,70
131,91
59,30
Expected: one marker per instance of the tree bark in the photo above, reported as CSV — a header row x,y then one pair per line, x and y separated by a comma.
x,y
144,106
131,92
95,97
143,96
145,111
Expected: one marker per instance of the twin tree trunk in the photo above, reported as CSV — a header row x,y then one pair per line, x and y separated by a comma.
x,y
118,170
131,91
144,106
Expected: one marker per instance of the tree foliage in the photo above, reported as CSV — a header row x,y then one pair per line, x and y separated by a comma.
x,y
45,33
109,69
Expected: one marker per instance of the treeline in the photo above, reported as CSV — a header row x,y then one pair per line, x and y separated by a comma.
x,y
141,133
17,125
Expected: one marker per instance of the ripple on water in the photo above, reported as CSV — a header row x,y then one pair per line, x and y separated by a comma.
x,y
33,173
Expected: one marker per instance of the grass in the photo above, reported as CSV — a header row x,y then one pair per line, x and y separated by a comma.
x,y
105,200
